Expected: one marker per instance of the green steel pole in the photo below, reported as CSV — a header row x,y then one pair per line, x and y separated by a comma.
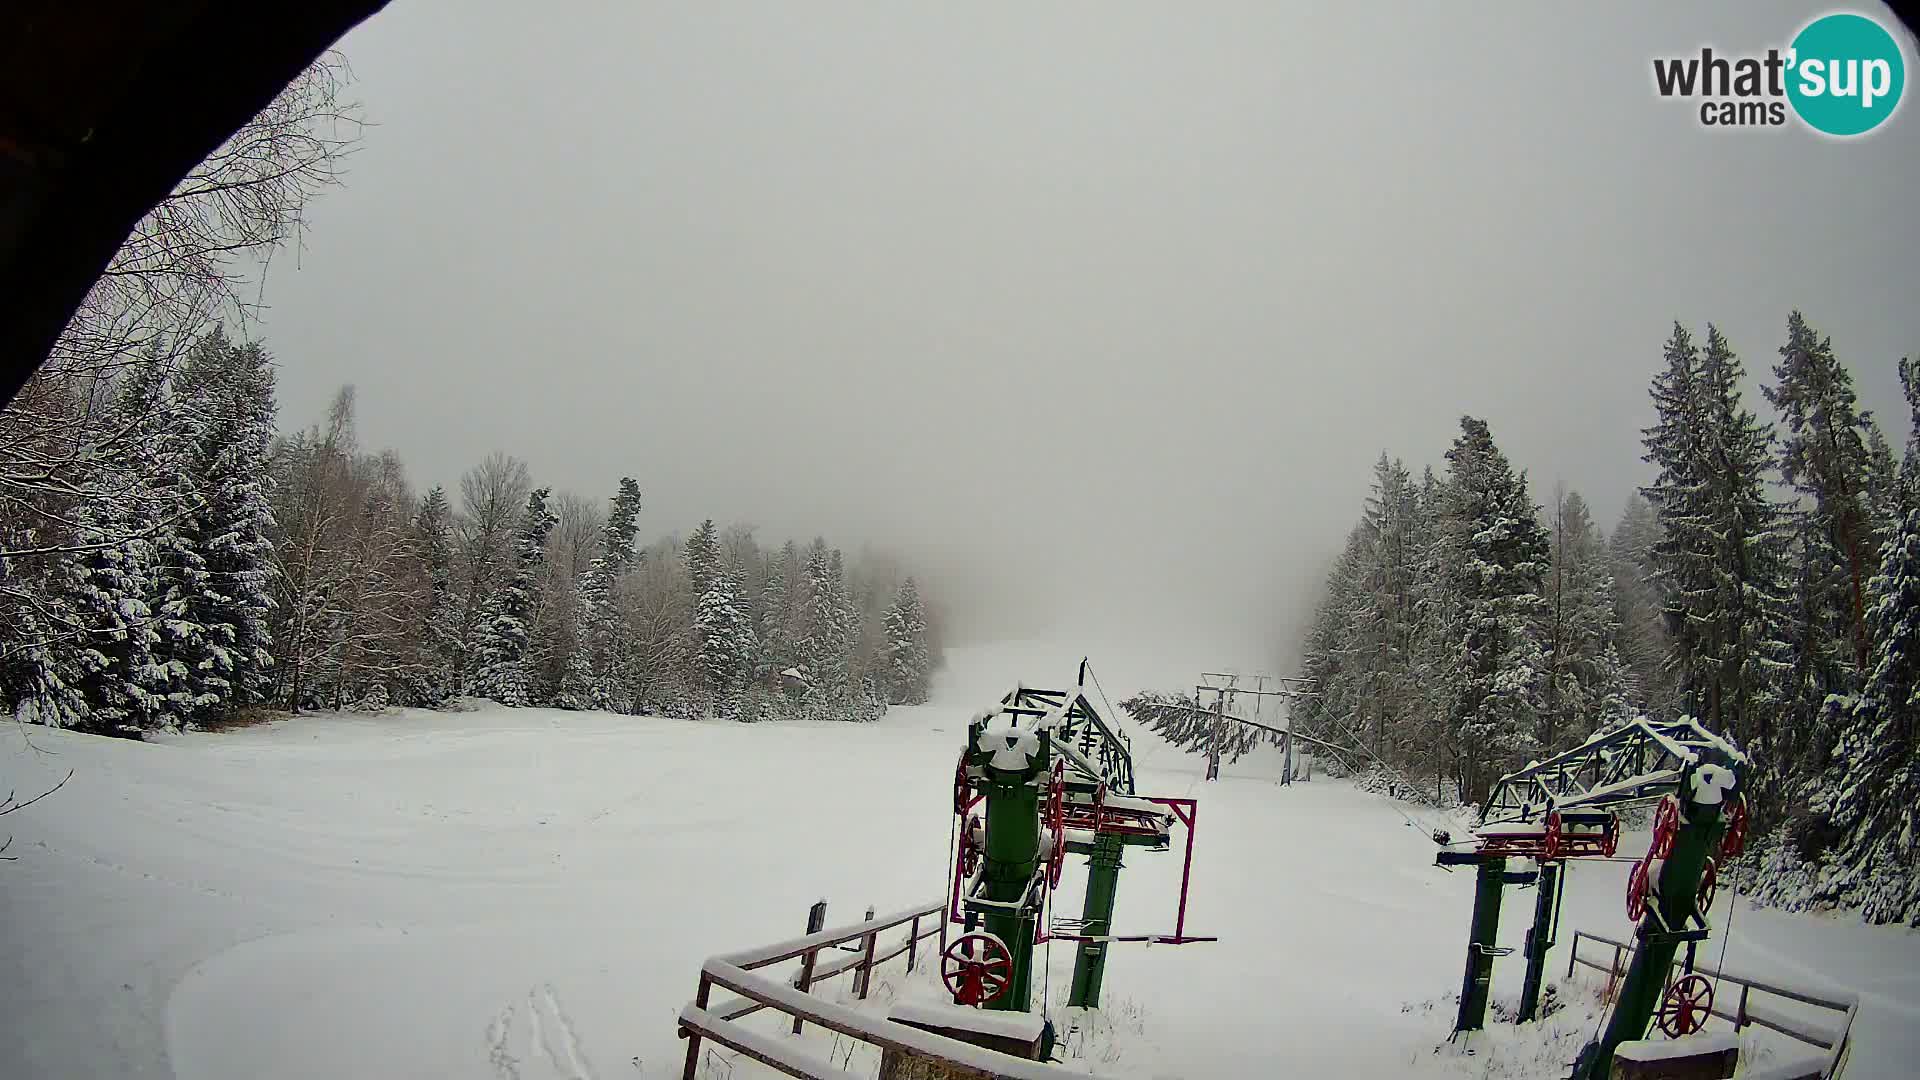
x,y
1012,854
1654,949
1013,850
1475,986
1096,920
1539,938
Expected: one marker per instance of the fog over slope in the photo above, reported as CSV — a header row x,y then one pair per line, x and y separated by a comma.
x,y
1099,312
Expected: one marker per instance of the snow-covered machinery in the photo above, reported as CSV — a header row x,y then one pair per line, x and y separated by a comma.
x,y
1044,776
1566,808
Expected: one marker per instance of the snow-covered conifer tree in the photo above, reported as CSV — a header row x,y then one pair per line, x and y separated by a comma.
x,y
1585,688
502,639
905,660
726,641
232,527
1721,554
596,672
440,645
1826,455
1501,554
703,556
1642,640
1871,794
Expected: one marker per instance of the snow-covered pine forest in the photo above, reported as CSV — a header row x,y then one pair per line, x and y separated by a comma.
x,y
216,566
1767,582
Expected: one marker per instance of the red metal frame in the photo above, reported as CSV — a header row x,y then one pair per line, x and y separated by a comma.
x,y
1666,826
959,871
1639,883
1734,841
1187,812
1556,839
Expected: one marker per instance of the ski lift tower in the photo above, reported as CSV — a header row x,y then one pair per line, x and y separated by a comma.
x,y
1225,688
1055,778
1567,807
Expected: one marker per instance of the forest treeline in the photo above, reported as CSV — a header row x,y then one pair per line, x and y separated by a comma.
x,y
1767,583
167,558
194,563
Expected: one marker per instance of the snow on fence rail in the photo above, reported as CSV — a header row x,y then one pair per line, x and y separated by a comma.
x,y
741,973
1831,1039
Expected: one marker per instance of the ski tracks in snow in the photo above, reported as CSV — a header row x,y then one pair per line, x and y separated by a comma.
x,y
552,1044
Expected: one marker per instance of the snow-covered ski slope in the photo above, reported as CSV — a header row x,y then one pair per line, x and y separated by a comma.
x,y
523,893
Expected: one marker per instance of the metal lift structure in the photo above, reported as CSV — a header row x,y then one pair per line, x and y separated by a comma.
x,y
1043,776
1566,807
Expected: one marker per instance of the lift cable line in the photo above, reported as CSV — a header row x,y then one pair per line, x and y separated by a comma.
x,y
1175,718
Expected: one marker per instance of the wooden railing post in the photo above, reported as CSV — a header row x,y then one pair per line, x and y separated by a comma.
x,y
1573,951
865,973
1740,1014
866,966
816,922
913,941
693,1037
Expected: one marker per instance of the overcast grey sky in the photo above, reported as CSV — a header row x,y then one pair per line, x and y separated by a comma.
x,y
1098,306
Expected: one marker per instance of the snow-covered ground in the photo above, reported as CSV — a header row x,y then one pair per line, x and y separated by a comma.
x,y
527,893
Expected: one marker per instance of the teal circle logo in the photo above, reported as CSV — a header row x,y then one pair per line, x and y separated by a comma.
x,y
1845,74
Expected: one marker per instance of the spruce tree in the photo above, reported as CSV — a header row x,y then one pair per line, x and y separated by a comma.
x,y
596,671
1501,551
433,540
726,641
232,529
503,632
1821,670
1885,493
1584,689
1872,789
184,677
703,556
1826,456
1641,637
103,654
1335,652
1432,666
1383,615
1910,463
1721,554
825,643
905,661
779,612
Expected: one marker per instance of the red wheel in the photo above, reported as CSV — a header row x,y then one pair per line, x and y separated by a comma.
x,y
1550,842
1666,823
1735,840
962,791
1685,1007
977,968
1056,822
969,851
1610,836
1709,877
1637,891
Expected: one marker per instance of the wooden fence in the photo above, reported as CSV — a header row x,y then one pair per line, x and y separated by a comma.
x,y
742,973
1830,1038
